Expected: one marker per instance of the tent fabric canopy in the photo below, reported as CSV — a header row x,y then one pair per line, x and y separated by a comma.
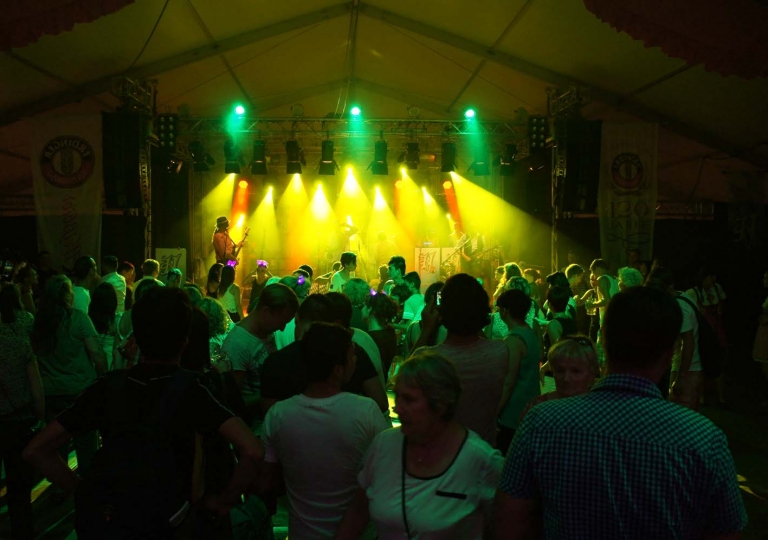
x,y
726,36
24,21
387,56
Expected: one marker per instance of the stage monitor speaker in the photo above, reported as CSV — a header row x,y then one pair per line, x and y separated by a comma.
x,y
121,149
583,166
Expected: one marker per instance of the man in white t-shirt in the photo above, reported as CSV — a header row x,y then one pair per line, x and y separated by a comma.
x,y
109,269
150,269
415,302
687,376
348,265
251,340
319,437
607,286
85,278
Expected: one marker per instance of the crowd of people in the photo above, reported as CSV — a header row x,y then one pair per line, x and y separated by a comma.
x,y
564,406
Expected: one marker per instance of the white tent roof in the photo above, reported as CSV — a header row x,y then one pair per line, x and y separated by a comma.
x,y
496,55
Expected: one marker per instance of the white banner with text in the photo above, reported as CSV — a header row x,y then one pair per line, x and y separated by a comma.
x,y
627,195
68,186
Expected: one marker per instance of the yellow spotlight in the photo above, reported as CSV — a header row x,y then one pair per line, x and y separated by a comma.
x,y
349,220
379,203
351,187
241,219
242,184
403,171
399,184
447,184
319,206
269,197
296,182
449,217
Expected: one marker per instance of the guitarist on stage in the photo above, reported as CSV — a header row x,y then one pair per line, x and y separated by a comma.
x,y
225,248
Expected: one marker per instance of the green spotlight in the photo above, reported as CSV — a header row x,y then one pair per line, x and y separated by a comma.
x,y
355,111
239,110
469,114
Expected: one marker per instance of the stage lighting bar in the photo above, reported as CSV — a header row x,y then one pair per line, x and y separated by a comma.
x,y
231,158
295,157
448,157
379,164
410,156
166,130
507,160
201,159
481,166
328,165
259,161
538,131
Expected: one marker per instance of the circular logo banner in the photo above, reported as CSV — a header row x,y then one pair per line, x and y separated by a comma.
x,y
627,171
67,162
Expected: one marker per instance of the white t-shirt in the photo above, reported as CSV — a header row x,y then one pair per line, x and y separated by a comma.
x,y
689,323
247,353
413,307
482,367
613,289
369,346
710,297
285,337
82,298
338,282
320,443
450,506
118,282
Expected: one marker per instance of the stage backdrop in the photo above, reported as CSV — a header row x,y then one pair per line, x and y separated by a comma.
x,y
626,198
428,266
171,258
68,185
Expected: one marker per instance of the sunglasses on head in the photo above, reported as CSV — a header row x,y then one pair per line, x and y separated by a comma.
x,y
581,340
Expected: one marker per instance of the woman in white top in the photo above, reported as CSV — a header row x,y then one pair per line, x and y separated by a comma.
x,y
102,311
432,478
229,294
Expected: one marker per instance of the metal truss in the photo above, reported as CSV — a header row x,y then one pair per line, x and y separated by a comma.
x,y
345,127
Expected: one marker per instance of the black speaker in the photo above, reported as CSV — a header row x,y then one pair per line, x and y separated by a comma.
x,y
582,175
122,138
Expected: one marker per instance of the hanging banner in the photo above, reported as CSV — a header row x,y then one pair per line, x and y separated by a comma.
x,y
627,195
428,265
171,258
68,185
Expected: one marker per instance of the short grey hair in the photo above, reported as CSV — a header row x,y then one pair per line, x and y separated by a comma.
x,y
630,277
436,376
574,348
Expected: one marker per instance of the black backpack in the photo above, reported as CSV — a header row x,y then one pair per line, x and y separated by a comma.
x,y
132,490
709,345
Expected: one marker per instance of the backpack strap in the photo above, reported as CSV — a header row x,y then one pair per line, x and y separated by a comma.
x,y
689,302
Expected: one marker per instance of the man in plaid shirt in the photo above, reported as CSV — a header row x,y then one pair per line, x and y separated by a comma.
x,y
621,462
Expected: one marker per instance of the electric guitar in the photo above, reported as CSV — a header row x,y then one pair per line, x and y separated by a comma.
x,y
238,247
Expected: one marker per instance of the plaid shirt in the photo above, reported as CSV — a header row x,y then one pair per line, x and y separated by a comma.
x,y
620,463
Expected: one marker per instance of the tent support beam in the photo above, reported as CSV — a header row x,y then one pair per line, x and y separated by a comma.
x,y
514,22
222,57
290,98
630,106
104,84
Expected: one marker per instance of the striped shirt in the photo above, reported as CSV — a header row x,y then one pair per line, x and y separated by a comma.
x,y
621,462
